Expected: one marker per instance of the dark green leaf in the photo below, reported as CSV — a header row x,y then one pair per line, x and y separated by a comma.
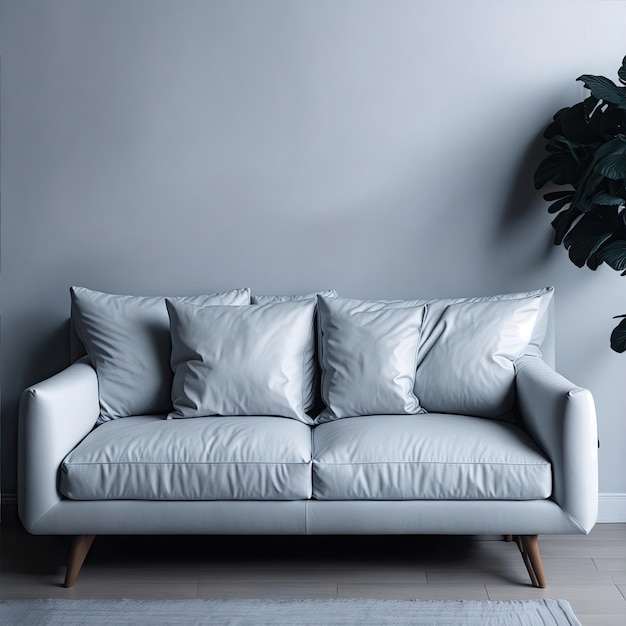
x,y
578,126
555,195
621,73
611,216
618,337
593,181
589,105
585,238
613,254
613,167
555,207
590,184
559,168
563,222
607,199
560,143
605,89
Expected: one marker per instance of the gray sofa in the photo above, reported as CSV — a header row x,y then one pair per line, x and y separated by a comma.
x,y
313,414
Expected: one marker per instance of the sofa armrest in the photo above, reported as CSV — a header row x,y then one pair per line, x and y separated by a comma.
x,y
561,418
54,416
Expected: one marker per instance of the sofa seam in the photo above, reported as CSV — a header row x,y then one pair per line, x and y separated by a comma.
x,y
548,464
75,463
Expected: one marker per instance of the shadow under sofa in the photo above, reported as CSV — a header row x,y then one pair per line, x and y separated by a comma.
x,y
430,473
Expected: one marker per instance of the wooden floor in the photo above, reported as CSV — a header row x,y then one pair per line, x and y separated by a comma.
x,y
589,572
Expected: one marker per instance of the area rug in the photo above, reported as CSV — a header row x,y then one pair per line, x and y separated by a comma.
x,y
285,613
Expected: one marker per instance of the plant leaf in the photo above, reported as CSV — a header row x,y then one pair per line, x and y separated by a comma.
x,y
605,89
555,195
592,180
585,238
556,206
613,167
607,199
560,168
563,222
580,124
613,254
618,337
621,73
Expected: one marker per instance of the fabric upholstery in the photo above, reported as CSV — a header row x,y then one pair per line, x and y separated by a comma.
x,y
223,458
247,360
127,339
427,457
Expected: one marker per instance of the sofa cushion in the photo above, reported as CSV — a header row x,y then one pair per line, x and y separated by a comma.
x,y
437,306
245,360
467,362
127,339
312,401
434,457
224,458
368,357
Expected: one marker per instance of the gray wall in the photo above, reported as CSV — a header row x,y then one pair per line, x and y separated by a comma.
x,y
385,149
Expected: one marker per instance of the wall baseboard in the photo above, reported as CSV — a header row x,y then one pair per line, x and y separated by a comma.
x,y
611,506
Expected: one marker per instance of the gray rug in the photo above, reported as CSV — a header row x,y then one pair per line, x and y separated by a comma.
x,y
285,613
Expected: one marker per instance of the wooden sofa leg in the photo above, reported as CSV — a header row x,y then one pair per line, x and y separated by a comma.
x,y
529,547
78,552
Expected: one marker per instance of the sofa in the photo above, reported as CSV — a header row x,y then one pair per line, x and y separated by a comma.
x,y
231,413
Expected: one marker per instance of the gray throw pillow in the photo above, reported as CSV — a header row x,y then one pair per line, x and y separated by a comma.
x,y
127,339
328,293
438,306
247,360
467,361
368,356
312,400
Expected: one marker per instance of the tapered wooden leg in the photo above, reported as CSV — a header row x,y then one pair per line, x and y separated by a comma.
x,y
78,552
529,547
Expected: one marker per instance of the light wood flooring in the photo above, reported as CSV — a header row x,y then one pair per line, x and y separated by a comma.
x,y
589,572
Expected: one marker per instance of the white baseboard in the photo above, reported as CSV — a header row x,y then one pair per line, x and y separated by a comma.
x,y
611,508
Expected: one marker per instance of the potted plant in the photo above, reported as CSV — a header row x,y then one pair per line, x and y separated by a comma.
x,y
587,146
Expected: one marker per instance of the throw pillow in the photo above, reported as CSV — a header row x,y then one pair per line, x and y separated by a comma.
x,y
127,339
368,357
328,293
247,360
437,307
466,363
312,401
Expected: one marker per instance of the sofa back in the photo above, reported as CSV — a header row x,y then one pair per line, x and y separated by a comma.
x,y
548,347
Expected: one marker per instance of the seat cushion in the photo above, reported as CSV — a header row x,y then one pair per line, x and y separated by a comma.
x,y
217,458
434,457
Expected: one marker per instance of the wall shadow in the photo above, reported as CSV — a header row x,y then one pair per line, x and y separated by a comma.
x,y
522,200
46,357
